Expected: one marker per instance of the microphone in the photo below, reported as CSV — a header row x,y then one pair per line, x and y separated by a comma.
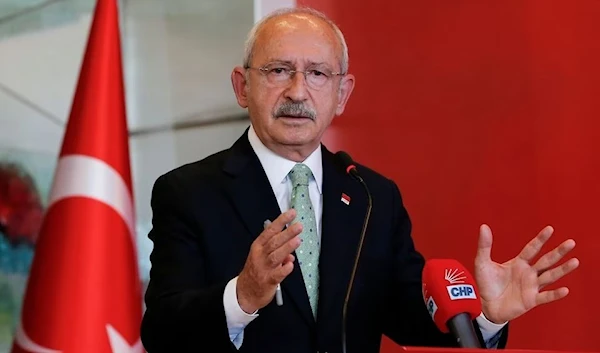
x,y
451,297
350,168
348,164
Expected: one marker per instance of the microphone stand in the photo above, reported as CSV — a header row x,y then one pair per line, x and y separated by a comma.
x,y
356,176
462,328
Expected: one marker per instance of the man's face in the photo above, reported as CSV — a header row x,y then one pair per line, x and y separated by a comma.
x,y
292,110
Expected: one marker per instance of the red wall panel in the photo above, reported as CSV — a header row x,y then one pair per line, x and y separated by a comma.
x,y
485,112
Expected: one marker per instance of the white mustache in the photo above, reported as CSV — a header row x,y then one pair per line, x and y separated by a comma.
x,y
295,109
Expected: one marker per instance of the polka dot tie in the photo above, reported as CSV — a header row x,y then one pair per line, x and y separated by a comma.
x,y
308,251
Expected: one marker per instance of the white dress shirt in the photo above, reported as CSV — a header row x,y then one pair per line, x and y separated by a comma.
x,y
277,169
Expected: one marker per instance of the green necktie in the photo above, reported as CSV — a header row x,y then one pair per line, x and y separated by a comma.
x,y
308,251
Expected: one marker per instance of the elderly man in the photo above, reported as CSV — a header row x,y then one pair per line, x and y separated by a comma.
x,y
218,262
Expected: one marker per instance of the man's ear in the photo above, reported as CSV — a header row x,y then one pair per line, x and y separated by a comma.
x,y
344,92
240,85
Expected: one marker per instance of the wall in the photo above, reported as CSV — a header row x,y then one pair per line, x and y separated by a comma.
x,y
487,109
177,61
484,112
178,56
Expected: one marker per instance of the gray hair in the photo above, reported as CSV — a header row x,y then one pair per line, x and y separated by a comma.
x,y
249,45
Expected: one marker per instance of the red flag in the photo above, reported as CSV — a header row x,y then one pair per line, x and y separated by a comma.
x,y
83,293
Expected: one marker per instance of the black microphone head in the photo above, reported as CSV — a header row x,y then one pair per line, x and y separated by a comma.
x,y
347,162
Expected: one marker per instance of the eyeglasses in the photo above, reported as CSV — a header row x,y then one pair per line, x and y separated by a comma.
x,y
280,75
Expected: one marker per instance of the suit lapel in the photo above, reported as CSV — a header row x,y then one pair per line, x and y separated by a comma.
x,y
341,227
249,189
255,202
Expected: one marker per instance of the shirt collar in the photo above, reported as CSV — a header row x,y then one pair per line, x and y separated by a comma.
x,y
277,167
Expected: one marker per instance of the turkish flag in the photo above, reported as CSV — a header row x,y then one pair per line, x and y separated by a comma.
x,y
83,293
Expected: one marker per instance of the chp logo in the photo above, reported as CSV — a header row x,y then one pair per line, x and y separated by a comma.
x,y
458,289
429,302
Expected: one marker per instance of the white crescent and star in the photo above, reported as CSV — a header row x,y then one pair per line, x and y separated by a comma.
x,y
85,176
119,344
23,341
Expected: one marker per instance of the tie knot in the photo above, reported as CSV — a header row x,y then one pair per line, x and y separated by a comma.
x,y
300,174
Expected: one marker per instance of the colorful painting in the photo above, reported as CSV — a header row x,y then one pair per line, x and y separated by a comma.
x,y
25,181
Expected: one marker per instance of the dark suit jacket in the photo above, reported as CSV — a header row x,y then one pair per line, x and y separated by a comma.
x,y
205,217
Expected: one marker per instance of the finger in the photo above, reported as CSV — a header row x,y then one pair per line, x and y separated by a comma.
x,y
557,273
281,238
277,257
551,295
535,245
289,258
276,226
280,273
484,247
552,258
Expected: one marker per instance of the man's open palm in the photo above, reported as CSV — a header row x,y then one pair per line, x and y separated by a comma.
x,y
511,289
